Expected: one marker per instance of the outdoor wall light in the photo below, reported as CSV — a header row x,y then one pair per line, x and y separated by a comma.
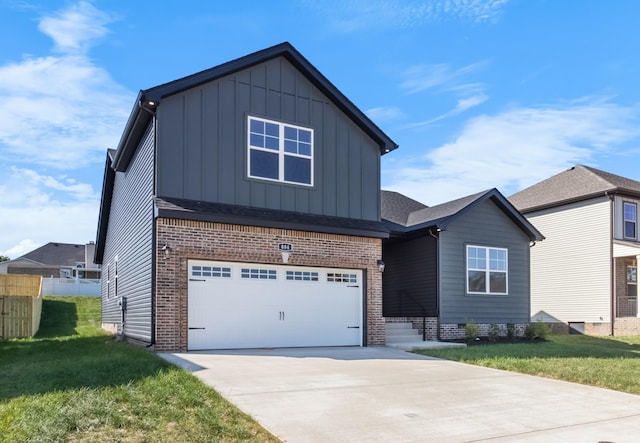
x,y
380,265
167,251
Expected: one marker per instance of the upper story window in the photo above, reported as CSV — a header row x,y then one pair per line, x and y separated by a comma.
x,y
486,270
630,220
280,152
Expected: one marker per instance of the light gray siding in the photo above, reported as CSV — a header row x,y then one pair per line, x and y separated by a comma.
x,y
571,268
483,225
202,145
618,217
129,239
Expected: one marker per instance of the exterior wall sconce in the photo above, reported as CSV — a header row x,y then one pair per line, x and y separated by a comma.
x,y
381,265
167,251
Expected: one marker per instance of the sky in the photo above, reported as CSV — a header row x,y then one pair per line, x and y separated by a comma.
x,y
478,94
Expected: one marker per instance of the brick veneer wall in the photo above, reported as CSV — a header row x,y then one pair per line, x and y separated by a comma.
x,y
455,331
226,242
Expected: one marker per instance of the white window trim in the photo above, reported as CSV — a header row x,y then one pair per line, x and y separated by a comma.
x,y
487,271
625,220
281,152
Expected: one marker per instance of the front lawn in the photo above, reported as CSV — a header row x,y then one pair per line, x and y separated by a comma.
x,y
74,383
607,362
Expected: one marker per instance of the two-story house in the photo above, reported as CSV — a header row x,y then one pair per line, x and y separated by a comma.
x,y
584,275
241,209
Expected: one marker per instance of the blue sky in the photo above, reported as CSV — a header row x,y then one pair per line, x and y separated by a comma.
x,y
478,94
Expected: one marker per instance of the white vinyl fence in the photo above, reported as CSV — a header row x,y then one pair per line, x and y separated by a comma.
x,y
70,286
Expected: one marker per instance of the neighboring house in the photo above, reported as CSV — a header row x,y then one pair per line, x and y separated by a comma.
x,y
242,209
56,260
465,261
584,276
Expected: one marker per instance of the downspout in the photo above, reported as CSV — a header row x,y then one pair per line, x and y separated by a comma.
x,y
612,262
437,291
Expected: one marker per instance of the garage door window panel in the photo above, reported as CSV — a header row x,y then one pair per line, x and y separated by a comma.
x,y
210,271
259,274
302,276
337,277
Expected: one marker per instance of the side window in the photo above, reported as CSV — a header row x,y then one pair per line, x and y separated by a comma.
x,y
630,220
108,281
280,152
487,270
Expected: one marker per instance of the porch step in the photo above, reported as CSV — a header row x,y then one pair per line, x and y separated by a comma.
x,y
401,333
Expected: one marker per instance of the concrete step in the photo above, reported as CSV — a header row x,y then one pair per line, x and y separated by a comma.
x,y
393,326
402,338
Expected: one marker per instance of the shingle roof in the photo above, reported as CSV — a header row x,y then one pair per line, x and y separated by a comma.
x,y
575,184
225,213
440,216
58,254
397,207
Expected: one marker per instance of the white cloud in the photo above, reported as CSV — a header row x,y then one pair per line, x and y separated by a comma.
x,y
514,149
58,112
21,248
354,15
442,76
462,105
37,209
443,79
76,28
384,114
62,111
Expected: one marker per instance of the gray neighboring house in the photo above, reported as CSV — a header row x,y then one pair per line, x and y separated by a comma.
x,y
463,261
584,275
57,260
241,209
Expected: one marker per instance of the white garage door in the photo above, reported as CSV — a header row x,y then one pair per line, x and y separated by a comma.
x,y
248,305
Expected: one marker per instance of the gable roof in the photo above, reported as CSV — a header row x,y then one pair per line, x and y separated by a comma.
x,y
148,99
439,217
58,254
575,184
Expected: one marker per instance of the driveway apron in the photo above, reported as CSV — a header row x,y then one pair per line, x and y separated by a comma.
x,y
355,394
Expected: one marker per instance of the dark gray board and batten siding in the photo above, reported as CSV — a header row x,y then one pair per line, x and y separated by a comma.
x,y
130,238
202,145
483,225
409,282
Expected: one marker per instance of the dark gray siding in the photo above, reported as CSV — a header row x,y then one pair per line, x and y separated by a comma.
x,y
483,225
202,152
409,283
129,238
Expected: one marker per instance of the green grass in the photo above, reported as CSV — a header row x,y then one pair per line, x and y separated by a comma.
x,y
74,383
607,362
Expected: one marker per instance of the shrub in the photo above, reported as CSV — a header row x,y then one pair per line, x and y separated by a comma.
x,y
494,332
542,330
511,331
471,331
537,330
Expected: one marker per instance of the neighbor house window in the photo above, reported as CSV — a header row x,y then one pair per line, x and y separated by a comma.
x,y
486,270
280,152
630,214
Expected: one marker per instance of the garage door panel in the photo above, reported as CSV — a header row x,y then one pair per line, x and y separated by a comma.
x,y
256,305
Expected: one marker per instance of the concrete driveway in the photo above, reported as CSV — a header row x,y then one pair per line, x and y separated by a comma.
x,y
387,395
